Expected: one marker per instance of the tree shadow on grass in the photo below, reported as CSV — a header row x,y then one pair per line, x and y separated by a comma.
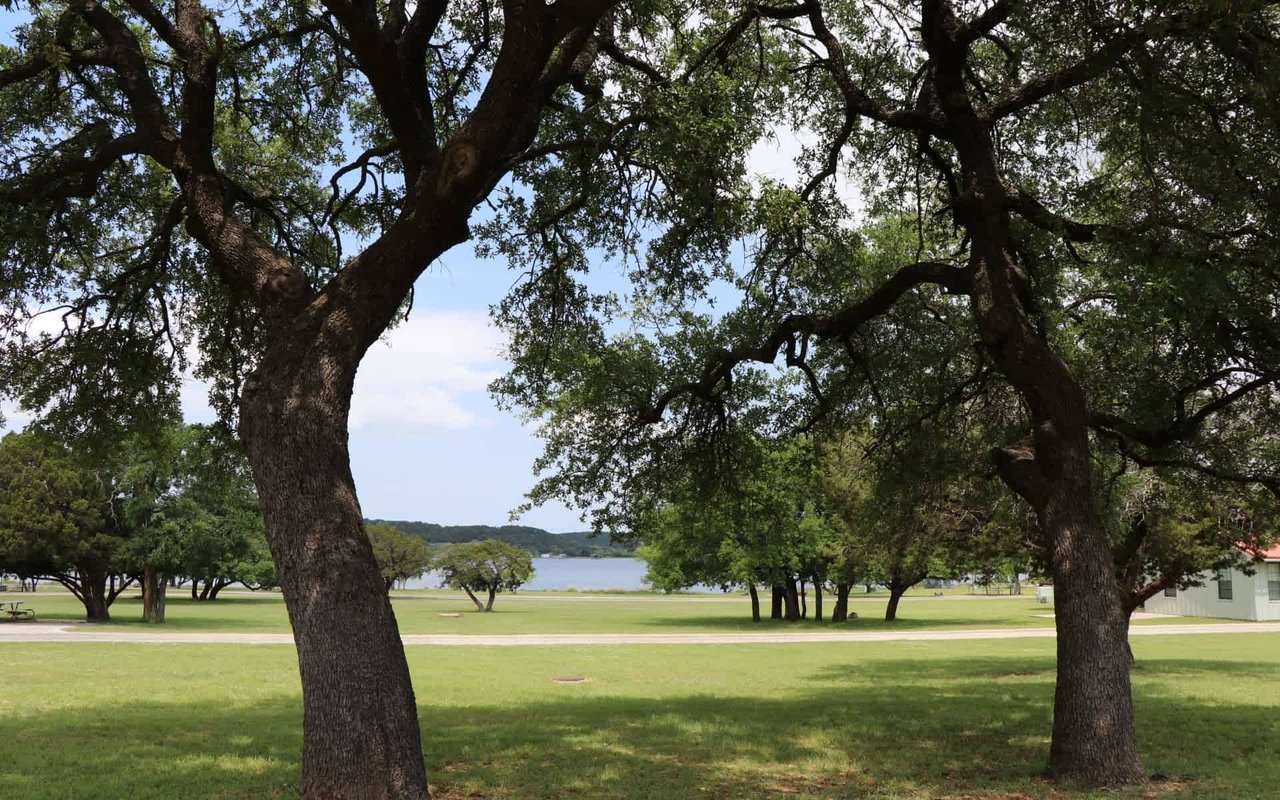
x,y
870,729
864,622
225,613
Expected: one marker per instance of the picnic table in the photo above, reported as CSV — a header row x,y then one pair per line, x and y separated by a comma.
x,y
14,610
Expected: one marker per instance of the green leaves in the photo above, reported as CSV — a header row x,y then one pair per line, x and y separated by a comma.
x,y
54,510
488,565
400,556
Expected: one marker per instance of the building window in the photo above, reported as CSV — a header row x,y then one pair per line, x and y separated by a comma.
x,y
1171,591
1273,582
1224,584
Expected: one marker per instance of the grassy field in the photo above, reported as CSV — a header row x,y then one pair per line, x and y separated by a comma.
x,y
571,613
885,720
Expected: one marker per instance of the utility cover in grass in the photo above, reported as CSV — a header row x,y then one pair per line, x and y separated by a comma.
x,y
450,614
568,679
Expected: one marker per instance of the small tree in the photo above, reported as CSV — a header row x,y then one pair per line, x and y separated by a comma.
x,y
488,566
400,555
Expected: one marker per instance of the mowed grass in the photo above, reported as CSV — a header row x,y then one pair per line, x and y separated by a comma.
x,y
951,719
572,613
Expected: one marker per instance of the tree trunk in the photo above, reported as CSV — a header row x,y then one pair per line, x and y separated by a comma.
x,y
775,606
895,594
218,585
1093,732
792,596
93,591
153,594
361,739
474,599
1128,643
817,601
841,612
195,589
489,605
755,602
804,600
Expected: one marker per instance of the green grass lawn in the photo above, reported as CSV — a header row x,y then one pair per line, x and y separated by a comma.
x,y
572,613
725,722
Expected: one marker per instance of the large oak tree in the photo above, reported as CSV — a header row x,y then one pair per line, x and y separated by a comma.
x,y
267,181
1075,247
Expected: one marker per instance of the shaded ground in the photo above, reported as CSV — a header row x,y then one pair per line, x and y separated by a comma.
x,y
885,720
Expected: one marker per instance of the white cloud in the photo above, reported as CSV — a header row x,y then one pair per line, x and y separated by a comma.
x,y
429,373
775,156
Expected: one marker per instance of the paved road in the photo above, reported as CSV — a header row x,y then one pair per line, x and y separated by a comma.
x,y
587,597
64,632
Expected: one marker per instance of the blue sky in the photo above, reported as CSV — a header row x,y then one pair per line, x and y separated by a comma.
x,y
427,442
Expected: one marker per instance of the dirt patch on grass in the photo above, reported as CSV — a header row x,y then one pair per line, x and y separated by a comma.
x,y
790,785
1163,786
445,791
992,796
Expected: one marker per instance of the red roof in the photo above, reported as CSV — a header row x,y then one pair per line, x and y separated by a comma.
x,y
1273,554
1270,554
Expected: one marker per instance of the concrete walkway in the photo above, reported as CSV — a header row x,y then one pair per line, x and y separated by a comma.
x,y
73,632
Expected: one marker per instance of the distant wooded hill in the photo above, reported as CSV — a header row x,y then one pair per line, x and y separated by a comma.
x,y
535,540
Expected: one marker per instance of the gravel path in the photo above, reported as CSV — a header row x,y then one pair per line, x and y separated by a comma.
x,y
65,632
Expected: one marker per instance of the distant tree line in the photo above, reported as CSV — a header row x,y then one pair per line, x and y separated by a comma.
x,y
580,544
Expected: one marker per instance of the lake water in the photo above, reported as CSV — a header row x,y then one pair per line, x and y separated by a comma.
x,y
571,573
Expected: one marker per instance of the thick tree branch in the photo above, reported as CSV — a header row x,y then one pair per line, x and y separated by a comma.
x,y
77,174
1077,74
158,22
985,22
1184,428
402,93
130,65
717,373
1268,481
1035,212
857,102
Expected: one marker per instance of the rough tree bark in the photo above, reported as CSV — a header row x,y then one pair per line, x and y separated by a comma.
x,y
791,595
94,594
360,728
154,585
896,590
755,602
776,603
841,611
